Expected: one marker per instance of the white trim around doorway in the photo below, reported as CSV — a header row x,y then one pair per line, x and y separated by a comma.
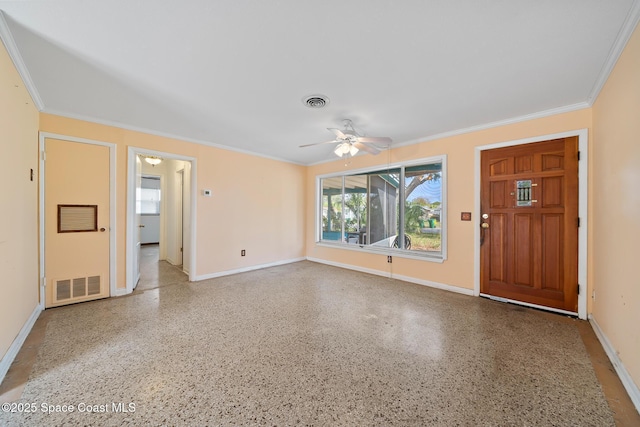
x,y
583,167
132,152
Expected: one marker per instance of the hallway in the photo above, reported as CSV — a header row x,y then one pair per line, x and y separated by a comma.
x,y
155,273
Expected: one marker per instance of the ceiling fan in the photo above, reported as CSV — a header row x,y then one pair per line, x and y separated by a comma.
x,y
349,142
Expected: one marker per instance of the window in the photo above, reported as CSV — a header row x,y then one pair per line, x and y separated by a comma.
x,y
398,209
148,200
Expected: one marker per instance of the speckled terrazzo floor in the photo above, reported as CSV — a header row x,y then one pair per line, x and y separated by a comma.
x,y
310,344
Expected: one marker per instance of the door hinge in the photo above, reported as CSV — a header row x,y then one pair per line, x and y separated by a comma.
x,y
578,222
578,289
44,156
578,156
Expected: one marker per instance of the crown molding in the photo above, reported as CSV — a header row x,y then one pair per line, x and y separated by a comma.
x,y
10,44
499,123
491,125
161,134
625,33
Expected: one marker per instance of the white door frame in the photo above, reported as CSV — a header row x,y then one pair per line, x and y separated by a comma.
x,y
132,152
583,167
180,175
113,291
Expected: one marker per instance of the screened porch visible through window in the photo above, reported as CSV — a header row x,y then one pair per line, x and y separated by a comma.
x,y
400,208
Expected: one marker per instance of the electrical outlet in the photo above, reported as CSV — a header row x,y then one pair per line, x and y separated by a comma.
x,y
243,252
389,259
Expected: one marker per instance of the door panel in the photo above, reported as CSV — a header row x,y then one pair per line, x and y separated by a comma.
x,y
529,249
552,192
524,164
523,236
499,194
552,253
497,248
76,263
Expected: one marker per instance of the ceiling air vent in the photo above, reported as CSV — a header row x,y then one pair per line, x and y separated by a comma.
x,y
315,101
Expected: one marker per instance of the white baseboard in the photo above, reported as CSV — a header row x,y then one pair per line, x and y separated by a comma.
x,y
395,276
120,292
13,350
245,269
436,285
351,267
625,378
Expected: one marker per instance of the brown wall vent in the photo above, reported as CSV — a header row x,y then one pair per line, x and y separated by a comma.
x,y
77,218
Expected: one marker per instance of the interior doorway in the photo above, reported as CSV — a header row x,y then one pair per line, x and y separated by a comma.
x,y
159,213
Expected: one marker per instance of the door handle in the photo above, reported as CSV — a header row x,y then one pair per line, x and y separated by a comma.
x,y
141,226
102,230
483,226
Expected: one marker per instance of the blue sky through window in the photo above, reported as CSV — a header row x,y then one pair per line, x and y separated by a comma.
x,y
430,190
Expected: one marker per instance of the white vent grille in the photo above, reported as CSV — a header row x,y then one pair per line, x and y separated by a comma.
x,y
316,101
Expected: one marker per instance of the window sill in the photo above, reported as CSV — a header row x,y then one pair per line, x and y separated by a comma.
x,y
421,256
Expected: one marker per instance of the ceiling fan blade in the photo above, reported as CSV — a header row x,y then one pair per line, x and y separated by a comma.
x,y
368,148
338,133
319,143
375,139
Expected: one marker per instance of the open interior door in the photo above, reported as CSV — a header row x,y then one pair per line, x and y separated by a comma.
x,y
138,223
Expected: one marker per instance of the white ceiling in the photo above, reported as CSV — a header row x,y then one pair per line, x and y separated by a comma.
x,y
233,73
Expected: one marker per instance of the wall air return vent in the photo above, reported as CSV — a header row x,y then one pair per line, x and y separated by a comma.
x,y
93,285
79,287
63,290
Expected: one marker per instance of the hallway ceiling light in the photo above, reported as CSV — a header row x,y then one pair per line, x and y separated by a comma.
x,y
153,160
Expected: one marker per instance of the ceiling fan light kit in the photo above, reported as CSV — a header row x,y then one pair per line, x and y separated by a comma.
x,y
346,148
350,143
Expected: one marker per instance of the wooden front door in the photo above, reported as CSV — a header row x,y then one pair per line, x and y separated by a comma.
x,y
77,211
529,235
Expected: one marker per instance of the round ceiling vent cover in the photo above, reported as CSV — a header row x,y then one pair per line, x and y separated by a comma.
x,y
316,101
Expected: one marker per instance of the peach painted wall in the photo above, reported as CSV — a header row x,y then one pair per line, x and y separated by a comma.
x,y
19,208
616,208
257,203
458,269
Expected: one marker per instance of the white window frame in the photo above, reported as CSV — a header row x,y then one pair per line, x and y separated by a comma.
x,y
402,253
